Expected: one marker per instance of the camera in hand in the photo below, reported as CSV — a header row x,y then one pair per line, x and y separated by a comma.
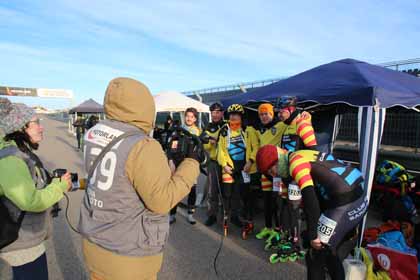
x,y
205,138
182,144
75,184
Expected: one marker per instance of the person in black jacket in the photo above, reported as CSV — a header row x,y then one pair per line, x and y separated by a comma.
x,y
79,124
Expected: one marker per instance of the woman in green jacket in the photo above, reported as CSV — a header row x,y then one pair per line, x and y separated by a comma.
x,y
26,186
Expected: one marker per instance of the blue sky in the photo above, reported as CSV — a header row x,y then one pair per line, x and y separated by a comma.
x,y
185,45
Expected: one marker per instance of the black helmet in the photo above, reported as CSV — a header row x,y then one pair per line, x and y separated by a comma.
x,y
216,107
236,108
286,101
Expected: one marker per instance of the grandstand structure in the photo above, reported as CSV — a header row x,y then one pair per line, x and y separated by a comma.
x,y
216,94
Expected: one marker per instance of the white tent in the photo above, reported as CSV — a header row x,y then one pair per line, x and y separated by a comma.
x,y
173,101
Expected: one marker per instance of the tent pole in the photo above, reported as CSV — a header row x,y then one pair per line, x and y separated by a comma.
x,y
370,125
336,128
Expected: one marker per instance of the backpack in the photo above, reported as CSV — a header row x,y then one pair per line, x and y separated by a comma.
x,y
9,230
394,174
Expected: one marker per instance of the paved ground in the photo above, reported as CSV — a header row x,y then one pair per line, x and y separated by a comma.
x,y
191,249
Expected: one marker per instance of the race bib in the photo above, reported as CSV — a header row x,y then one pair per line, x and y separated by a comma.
x,y
277,182
294,192
326,227
246,177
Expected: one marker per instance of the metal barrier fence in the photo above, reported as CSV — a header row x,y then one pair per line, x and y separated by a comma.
x,y
234,87
403,65
402,128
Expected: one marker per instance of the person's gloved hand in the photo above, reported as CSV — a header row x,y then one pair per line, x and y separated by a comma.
x,y
196,151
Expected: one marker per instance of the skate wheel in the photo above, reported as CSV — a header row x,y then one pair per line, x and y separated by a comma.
x,y
284,258
274,259
301,255
293,257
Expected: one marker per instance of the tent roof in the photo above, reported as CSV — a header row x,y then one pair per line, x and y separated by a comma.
x,y
173,101
88,106
346,81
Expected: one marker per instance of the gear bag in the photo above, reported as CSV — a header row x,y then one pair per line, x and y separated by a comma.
x,y
9,229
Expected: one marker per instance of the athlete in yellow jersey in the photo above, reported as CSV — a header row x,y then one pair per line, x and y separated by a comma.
x,y
232,157
191,116
299,134
269,131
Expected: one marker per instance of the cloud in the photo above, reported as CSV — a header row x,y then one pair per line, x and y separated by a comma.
x,y
192,44
269,33
260,33
32,67
190,25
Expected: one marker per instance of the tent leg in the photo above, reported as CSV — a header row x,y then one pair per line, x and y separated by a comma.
x,y
337,122
370,124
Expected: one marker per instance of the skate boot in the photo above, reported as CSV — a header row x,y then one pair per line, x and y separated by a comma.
x,y
265,232
274,234
277,242
247,229
288,252
283,254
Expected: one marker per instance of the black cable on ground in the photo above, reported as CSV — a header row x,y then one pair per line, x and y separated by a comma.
x,y
67,214
222,236
217,255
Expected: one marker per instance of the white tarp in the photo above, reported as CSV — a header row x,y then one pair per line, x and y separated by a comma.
x,y
173,101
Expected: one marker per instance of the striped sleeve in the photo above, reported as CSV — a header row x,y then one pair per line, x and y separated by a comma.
x,y
306,133
300,170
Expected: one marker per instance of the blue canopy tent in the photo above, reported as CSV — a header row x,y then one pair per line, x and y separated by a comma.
x,y
371,88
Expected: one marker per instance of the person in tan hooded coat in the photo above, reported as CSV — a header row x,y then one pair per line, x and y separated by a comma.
x,y
124,215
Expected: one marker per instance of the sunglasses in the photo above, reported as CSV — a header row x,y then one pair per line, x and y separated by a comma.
x,y
37,121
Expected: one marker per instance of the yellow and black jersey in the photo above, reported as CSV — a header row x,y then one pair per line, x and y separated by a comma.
x,y
235,148
231,146
251,147
271,133
213,130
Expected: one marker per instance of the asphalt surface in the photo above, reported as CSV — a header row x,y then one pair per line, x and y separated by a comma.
x,y
190,251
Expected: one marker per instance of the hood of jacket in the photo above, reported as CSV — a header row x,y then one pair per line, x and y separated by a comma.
x,y
5,144
130,101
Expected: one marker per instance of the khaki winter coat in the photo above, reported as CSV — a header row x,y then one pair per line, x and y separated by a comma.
x,y
130,101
